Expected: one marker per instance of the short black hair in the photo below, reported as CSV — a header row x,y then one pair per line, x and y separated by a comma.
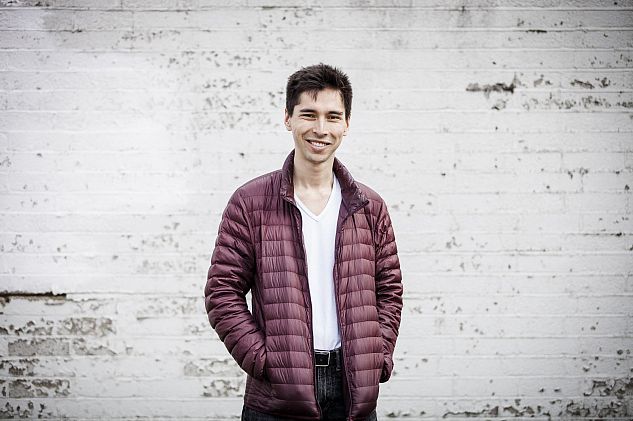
x,y
313,79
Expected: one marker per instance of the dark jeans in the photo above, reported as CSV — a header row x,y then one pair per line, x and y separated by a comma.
x,y
329,385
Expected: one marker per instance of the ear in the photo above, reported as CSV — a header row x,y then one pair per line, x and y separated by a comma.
x,y
287,120
346,127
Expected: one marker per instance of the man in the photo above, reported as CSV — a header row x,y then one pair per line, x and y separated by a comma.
x,y
317,251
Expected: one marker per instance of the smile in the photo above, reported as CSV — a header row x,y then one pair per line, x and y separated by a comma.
x,y
317,143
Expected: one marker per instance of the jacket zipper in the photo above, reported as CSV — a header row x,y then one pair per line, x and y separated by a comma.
x,y
308,311
338,317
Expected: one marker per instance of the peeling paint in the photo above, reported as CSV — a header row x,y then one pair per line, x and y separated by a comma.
x,y
488,412
78,326
80,347
21,367
224,367
582,84
224,388
619,388
86,326
39,347
542,81
586,102
500,104
31,328
25,410
7,296
497,87
39,388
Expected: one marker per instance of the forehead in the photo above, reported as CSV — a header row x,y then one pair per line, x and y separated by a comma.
x,y
326,99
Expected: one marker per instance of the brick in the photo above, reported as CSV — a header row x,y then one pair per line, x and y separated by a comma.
x,y
33,347
212,367
513,326
42,40
86,326
103,366
401,39
36,19
62,4
594,162
4,142
511,283
189,388
26,408
90,348
41,388
203,408
162,306
521,369
125,224
18,367
412,241
447,345
161,5
157,327
610,223
602,69
525,304
608,182
48,304
146,243
17,327
111,20
596,202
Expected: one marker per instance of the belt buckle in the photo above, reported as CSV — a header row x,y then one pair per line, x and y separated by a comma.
x,y
322,353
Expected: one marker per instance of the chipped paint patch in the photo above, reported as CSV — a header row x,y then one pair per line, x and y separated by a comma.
x,y
582,84
33,347
594,405
39,388
620,388
25,410
224,388
7,296
21,367
496,87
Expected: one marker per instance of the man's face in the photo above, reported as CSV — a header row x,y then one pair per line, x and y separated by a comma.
x,y
318,126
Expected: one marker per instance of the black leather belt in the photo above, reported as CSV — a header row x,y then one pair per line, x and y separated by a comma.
x,y
327,358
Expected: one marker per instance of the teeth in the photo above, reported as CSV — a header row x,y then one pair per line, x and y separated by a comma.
x,y
317,143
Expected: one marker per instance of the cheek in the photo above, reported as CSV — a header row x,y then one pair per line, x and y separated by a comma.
x,y
340,130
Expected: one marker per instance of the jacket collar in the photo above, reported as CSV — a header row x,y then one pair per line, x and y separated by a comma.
x,y
352,195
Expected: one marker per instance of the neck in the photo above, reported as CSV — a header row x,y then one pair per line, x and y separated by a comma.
x,y
309,176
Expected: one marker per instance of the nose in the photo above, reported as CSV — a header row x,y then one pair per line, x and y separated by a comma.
x,y
320,127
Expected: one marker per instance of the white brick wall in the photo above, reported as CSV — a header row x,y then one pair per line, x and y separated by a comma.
x,y
499,133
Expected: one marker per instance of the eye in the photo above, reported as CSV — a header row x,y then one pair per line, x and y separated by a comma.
x,y
307,115
335,117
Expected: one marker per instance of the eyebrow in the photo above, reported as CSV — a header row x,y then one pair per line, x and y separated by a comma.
x,y
312,110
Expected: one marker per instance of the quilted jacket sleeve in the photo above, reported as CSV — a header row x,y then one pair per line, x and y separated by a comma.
x,y
229,279
388,288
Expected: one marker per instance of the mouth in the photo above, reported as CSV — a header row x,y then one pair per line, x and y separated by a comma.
x,y
317,144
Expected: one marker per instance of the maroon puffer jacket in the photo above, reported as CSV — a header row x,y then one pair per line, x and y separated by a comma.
x,y
260,248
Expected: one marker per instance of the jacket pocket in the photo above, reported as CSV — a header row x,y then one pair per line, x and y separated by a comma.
x,y
387,368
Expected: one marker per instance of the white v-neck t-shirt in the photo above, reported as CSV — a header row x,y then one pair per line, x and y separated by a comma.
x,y
319,233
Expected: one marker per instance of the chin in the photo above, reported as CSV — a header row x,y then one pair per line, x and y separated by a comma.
x,y
318,158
